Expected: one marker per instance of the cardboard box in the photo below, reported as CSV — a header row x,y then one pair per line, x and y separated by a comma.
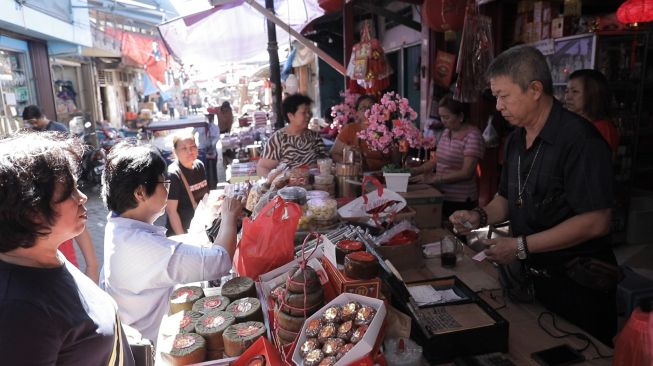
x,y
403,256
365,346
427,203
536,34
561,27
343,284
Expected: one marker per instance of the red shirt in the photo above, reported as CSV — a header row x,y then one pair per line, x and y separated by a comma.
x,y
609,133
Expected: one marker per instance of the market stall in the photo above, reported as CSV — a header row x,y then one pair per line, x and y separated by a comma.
x,y
364,279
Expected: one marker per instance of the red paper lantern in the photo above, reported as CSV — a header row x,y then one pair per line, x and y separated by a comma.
x,y
444,15
635,11
330,5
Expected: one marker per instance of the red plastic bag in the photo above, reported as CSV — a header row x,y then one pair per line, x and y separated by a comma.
x,y
268,240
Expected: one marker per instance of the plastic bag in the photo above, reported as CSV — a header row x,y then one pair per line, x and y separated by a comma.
x,y
379,205
490,135
267,241
398,228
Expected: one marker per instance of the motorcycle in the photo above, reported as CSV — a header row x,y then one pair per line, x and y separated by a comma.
x,y
93,159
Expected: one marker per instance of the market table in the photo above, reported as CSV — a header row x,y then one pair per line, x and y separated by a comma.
x,y
525,336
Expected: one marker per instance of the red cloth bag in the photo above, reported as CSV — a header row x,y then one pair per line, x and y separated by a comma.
x,y
267,241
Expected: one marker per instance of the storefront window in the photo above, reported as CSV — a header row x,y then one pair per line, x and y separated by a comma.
x,y
15,83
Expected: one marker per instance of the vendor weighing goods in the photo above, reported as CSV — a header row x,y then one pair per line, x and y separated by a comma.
x,y
246,309
187,348
184,297
207,304
211,326
239,287
238,337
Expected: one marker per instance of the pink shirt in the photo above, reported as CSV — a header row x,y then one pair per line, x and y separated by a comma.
x,y
450,155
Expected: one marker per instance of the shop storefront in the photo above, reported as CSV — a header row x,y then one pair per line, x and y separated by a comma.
x,y
16,82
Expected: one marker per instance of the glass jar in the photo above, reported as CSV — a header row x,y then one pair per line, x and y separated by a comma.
x,y
293,194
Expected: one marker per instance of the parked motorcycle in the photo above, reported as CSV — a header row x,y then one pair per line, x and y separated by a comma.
x,y
93,160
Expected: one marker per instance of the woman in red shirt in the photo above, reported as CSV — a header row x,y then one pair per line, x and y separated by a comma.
x,y
588,95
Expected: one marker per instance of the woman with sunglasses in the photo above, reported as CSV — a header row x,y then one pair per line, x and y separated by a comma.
x,y
142,265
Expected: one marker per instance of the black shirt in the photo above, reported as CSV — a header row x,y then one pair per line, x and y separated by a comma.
x,y
571,175
58,316
196,178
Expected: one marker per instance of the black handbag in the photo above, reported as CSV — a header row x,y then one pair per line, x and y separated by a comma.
x,y
594,273
516,281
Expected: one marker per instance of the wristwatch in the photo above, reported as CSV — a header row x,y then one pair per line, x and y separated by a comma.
x,y
522,251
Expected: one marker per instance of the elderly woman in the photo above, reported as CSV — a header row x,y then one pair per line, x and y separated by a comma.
x,y
372,159
588,95
142,265
50,312
188,185
294,144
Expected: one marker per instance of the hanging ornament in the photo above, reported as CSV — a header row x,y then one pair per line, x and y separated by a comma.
x,y
330,5
368,64
444,15
635,11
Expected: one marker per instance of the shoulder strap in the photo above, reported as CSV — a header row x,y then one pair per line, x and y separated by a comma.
x,y
190,194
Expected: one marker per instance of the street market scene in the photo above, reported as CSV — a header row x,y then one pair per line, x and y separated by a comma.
x,y
326,182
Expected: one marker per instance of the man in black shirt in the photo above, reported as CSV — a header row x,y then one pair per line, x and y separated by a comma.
x,y
556,190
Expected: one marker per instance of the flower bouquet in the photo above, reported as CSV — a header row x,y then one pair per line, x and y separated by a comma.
x,y
390,127
345,112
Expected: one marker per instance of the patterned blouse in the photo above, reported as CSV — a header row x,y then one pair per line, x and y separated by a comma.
x,y
295,150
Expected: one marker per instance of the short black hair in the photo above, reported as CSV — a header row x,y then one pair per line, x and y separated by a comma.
x,y
32,164
523,64
292,102
453,105
364,97
130,165
32,112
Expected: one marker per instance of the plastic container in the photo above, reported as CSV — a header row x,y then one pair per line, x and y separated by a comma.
x,y
325,166
402,352
323,179
323,209
293,194
316,194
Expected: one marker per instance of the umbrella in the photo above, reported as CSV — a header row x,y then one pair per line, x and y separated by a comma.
x,y
233,32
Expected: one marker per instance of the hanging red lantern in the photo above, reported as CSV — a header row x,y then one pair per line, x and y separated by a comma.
x,y
444,15
330,5
635,11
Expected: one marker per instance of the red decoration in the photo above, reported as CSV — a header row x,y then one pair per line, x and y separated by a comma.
x,y
635,11
444,15
330,5
368,64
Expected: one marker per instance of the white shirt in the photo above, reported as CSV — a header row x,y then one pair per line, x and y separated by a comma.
x,y
141,267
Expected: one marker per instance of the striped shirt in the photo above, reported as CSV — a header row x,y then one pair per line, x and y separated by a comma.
x,y
295,150
450,155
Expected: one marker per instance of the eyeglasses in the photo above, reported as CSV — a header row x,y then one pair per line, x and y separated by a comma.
x,y
166,183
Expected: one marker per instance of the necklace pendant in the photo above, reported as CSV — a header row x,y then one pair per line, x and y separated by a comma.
x,y
519,202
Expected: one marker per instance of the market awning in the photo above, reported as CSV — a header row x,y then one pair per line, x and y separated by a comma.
x,y
234,32
175,124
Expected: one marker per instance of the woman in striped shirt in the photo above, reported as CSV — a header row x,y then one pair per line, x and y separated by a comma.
x,y
294,144
458,151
